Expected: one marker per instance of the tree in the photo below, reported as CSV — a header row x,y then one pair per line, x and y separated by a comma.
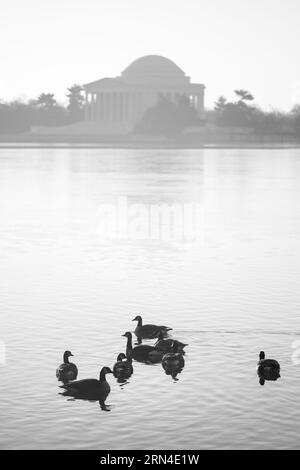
x,y
186,113
296,119
48,111
160,119
238,113
46,101
220,104
167,117
15,117
243,96
76,103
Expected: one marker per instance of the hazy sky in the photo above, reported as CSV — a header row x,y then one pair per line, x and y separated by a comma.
x,y
47,45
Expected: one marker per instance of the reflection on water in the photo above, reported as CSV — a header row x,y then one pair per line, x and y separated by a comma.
x,y
228,294
92,399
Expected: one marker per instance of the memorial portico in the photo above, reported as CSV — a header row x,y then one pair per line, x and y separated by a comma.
x,y
124,99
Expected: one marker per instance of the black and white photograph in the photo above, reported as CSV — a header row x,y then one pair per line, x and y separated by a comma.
x,y
149,227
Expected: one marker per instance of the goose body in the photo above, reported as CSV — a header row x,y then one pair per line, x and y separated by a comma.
x,y
149,331
264,363
89,388
166,344
123,367
67,370
143,352
173,360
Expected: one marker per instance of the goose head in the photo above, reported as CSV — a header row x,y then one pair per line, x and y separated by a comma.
x,y
127,335
262,356
67,354
104,371
121,356
138,318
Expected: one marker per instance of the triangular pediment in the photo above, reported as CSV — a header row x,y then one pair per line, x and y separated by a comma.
x,y
104,83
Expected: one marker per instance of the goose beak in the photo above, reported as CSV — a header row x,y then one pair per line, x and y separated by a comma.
x,y
124,335
72,355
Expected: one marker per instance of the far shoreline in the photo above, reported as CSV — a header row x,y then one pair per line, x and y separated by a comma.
x,y
27,141
123,146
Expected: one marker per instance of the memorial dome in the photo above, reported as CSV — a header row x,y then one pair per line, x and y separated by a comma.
x,y
153,68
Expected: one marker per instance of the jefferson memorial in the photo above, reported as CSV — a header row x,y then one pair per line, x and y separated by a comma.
x,y
115,105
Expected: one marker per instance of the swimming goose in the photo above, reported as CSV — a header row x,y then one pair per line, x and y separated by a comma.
x,y
174,359
123,366
89,388
267,363
149,331
67,370
143,352
166,345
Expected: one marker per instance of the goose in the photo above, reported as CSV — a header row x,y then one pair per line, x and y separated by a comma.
x,y
166,345
149,331
267,363
67,370
123,366
89,388
173,360
143,352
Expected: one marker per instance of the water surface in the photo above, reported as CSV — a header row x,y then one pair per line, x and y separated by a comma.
x,y
229,294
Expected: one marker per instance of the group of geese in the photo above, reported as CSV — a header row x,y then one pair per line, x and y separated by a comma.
x,y
166,350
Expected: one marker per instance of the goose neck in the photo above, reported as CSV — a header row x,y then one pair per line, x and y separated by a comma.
x,y
129,343
102,377
66,359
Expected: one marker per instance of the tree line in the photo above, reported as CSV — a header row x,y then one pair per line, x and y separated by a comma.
x,y
165,118
170,118
17,116
242,113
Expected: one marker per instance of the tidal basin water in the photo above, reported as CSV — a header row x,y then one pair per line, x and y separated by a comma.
x,y
230,292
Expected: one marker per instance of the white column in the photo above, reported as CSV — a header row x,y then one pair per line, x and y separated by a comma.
x,y
93,107
115,104
121,105
111,106
200,104
90,106
86,107
194,102
96,106
130,106
105,107
118,106
99,106
109,109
